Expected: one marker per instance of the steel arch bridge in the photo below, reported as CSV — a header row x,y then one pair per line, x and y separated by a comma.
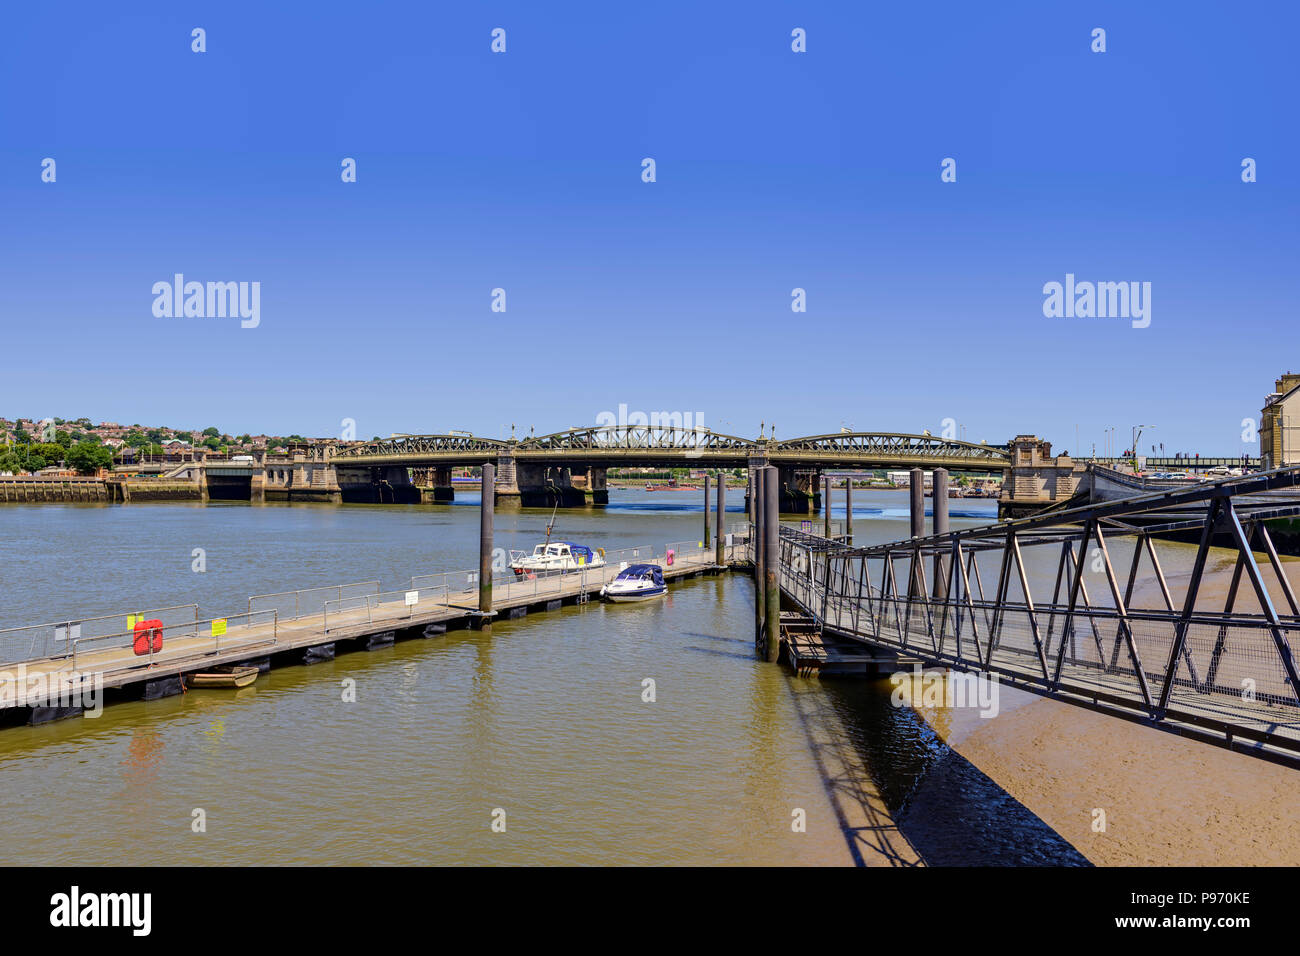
x,y
615,445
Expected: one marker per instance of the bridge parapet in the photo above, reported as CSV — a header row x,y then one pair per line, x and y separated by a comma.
x,y
1037,479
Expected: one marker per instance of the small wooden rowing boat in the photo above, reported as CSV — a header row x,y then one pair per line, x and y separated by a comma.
x,y
225,675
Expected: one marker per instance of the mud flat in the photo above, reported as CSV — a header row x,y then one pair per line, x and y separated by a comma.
x,y
1166,800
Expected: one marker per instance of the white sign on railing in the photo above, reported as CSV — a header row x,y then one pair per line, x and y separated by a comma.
x,y
412,598
67,632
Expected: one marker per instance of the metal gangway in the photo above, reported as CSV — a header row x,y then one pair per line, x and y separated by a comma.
x,y
1126,607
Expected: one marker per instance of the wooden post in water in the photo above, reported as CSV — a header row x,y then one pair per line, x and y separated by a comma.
x,y
826,505
939,525
485,512
707,539
916,495
848,510
771,564
916,490
720,556
756,506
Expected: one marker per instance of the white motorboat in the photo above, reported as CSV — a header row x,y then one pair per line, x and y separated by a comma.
x,y
636,582
555,557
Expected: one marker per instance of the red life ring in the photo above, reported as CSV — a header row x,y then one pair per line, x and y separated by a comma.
x,y
147,634
670,557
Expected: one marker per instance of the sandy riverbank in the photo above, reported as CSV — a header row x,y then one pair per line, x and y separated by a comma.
x,y
1166,800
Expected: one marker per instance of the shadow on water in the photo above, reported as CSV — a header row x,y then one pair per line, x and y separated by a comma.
x,y
719,637
747,658
948,810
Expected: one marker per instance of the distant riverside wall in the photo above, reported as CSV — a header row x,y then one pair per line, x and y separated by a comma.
x,y
37,488
155,490
44,488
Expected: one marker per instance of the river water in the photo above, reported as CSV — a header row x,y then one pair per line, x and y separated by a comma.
x,y
540,721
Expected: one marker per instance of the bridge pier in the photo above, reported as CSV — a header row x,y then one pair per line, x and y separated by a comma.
x,y
301,480
797,490
543,486
506,486
594,485
435,484
385,485
257,485
1037,479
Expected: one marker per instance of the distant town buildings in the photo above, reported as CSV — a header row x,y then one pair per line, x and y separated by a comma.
x,y
1279,424
131,444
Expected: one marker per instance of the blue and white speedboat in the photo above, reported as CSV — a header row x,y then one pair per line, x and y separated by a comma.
x,y
636,582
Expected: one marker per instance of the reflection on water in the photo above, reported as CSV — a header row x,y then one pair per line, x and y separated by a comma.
x,y
543,717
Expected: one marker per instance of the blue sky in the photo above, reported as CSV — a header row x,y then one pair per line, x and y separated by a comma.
x,y
775,170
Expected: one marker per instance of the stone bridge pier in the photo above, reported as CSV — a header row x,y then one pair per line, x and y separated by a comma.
x,y
434,483
543,486
1038,479
592,483
384,485
800,490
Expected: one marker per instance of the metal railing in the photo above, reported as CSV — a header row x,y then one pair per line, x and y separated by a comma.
x,y
224,633
341,605
56,639
307,602
1100,632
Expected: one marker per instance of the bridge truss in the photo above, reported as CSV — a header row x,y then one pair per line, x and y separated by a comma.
x,y
1096,606
669,443
423,447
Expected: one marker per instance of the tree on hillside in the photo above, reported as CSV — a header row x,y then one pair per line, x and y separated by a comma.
x,y
49,451
88,458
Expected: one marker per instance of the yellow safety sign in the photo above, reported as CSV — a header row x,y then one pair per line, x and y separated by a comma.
x,y
219,627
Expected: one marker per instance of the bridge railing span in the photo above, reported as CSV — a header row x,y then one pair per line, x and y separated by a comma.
x,y
1084,609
